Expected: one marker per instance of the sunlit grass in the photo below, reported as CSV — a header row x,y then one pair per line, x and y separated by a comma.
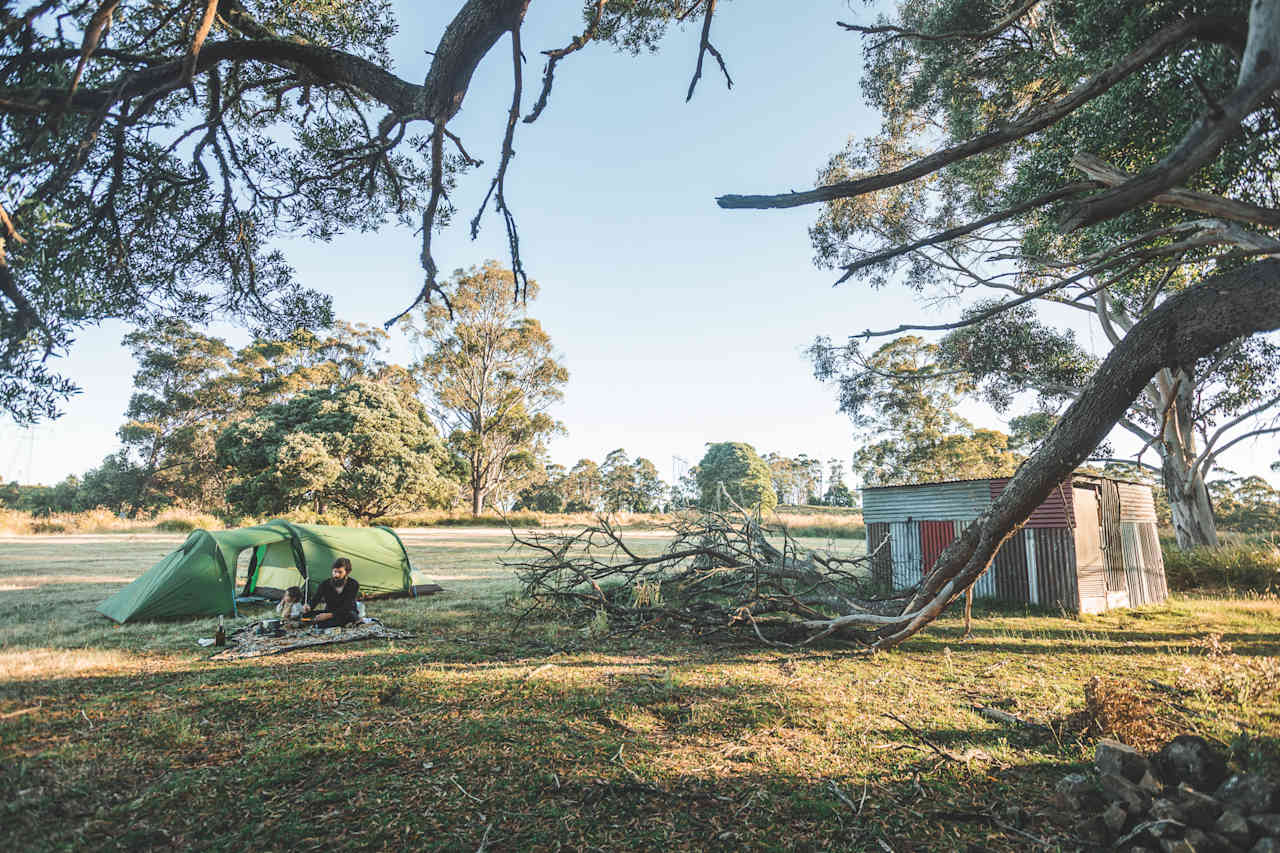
x,y
541,736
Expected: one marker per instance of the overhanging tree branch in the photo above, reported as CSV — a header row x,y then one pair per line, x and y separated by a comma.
x,y
1258,79
1212,28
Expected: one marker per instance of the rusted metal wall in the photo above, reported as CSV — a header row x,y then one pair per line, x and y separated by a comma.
x,y
1055,551
1009,571
934,536
1055,511
882,557
926,502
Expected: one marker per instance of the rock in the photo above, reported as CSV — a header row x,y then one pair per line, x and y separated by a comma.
x,y
1112,756
1117,789
1163,809
1266,824
1190,759
1176,845
1092,829
1249,793
1207,842
1201,809
1151,783
1115,816
1075,792
1266,845
1233,826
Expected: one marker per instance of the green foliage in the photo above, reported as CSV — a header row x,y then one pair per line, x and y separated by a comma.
x,y
1246,504
190,386
937,93
743,473
492,374
899,391
1243,567
367,448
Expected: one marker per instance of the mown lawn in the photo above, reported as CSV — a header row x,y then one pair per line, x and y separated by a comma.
x,y
476,734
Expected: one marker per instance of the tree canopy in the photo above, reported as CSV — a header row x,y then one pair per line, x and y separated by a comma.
x,y
990,218
154,154
735,466
366,447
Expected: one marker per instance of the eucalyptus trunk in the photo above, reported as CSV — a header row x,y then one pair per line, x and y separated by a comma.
x,y
1182,471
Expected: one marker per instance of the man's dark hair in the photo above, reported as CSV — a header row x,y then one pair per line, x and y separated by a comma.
x,y
344,562
294,592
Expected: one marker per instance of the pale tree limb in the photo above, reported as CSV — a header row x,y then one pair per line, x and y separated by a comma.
x,y
1216,206
197,40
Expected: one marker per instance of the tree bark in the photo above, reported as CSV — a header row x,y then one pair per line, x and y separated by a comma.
x,y
1193,522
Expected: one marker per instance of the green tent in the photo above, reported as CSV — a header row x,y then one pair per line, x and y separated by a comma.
x,y
199,578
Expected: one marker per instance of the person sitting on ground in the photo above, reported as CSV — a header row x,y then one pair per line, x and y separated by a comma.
x,y
336,598
290,607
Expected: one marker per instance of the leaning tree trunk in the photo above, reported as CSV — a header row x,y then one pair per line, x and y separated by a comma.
x,y
1181,331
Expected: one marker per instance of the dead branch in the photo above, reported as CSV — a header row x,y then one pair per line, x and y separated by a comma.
x,y
554,57
197,40
719,574
1109,175
704,47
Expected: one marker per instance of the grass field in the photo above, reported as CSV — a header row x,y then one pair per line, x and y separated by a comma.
x,y
477,735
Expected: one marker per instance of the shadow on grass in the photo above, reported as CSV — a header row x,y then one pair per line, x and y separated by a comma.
x,y
394,751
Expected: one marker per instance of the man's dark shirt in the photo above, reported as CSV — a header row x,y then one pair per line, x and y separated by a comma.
x,y
338,603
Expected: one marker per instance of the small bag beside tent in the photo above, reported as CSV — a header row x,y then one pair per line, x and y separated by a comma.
x,y
199,578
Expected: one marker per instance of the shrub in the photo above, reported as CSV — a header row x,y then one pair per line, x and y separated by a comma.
x,y
1245,566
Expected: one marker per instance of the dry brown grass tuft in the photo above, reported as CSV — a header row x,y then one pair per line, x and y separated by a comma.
x,y
1122,709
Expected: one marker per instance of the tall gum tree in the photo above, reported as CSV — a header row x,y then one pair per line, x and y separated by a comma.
x,y
1004,85
492,374
989,223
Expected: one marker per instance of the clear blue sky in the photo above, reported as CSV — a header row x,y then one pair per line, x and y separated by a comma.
x,y
680,323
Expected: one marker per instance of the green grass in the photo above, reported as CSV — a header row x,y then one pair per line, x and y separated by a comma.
x,y
540,738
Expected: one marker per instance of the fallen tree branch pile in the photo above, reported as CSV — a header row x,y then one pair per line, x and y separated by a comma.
x,y
720,573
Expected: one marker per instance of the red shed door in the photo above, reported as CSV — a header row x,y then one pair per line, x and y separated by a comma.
x,y
934,537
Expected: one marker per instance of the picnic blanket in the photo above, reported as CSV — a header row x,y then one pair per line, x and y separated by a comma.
x,y
247,643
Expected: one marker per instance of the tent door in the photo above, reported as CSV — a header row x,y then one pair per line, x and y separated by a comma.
x,y
255,562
